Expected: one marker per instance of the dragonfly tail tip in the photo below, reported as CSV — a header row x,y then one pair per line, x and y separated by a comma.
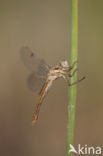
x,y
33,122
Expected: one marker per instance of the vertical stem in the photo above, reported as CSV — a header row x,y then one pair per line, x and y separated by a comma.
x,y
72,89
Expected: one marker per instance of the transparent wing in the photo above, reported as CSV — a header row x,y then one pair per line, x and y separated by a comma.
x,y
31,61
35,82
38,67
43,68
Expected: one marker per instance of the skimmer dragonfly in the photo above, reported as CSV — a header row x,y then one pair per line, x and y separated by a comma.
x,y
42,75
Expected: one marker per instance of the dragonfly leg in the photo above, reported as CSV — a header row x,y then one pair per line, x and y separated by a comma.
x,y
72,66
70,75
66,75
70,84
66,78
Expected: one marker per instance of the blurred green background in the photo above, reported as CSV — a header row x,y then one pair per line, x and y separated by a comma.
x,y
45,26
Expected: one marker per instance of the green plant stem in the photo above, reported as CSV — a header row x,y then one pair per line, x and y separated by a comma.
x,y
72,89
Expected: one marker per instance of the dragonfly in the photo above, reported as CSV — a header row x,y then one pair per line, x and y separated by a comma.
x,y
42,75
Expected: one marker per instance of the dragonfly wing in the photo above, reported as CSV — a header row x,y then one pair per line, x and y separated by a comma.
x,y
31,61
29,58
35,81
43,68
38,67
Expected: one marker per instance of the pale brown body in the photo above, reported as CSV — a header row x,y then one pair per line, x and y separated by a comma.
x,y
53,74
41,72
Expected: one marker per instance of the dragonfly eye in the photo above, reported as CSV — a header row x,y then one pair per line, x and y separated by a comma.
x,y
64,64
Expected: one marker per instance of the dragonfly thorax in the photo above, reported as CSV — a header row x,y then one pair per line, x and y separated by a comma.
x,y
55,73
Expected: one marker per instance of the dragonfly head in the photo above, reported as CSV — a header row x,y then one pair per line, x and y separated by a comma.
x,y
64,64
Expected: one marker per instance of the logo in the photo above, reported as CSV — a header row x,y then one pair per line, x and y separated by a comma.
x,y
85,149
